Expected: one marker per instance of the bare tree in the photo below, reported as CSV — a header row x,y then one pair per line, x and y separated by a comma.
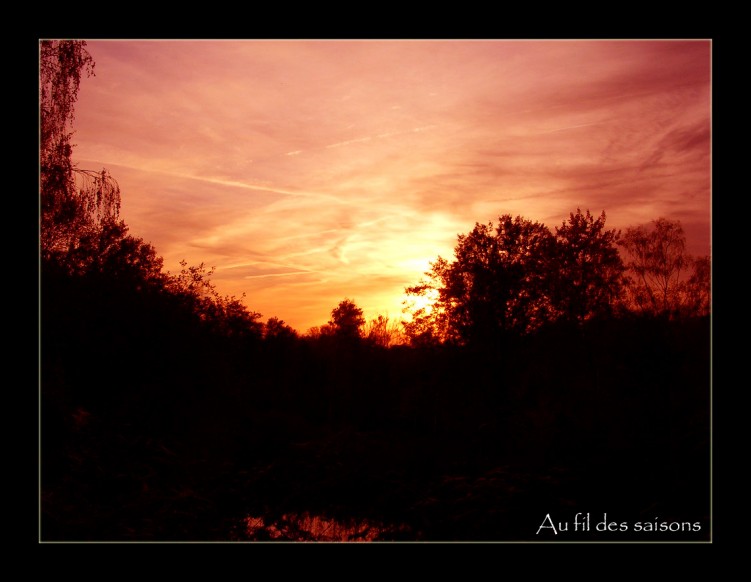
x,y
663,278
381,331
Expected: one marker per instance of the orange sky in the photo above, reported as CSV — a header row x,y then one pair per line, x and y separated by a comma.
x,y
311,171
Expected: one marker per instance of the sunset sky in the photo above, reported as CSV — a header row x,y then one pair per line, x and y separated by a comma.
x,y
311,171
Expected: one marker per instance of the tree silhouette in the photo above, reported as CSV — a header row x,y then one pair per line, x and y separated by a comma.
x,y
516,277
658,266
225,315
60,66
383,332
275,329
499,283
111,251
165,416
346,320
699,288
588,266
74,203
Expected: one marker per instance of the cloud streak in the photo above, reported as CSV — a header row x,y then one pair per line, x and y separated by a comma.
x,y
307,171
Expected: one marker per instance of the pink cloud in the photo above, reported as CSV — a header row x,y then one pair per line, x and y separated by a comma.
x,y
310,171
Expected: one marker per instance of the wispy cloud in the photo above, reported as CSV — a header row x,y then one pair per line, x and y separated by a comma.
x,y
310,171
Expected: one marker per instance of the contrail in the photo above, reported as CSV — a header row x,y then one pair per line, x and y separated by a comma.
x,y
276,275
569,127
235,184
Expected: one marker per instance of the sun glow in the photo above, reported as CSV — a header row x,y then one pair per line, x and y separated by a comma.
x,y
357,183
423,304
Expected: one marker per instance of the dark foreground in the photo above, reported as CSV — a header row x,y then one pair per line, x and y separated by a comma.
x,y
183,438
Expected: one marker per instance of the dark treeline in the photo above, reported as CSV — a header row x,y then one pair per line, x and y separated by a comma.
x,y
157,428
557,372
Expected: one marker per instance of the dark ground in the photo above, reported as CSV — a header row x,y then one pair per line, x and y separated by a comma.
x,y
152,431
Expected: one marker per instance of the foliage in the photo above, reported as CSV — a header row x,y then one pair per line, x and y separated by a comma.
x,y
658,269
427,324
588,266
225,315
317,332
74,203
698,296
81,233
383,332
60,65
275,329
499,283
122,257
515,278
346,320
